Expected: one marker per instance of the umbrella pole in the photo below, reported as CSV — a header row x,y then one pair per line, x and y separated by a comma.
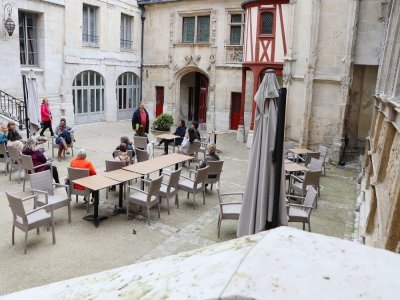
x,y
279,138
26,105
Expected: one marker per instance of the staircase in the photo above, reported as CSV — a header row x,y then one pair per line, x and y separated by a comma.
x,y
13,108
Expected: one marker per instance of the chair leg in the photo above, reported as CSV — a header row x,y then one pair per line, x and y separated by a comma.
x,y
23,187
127,210
177,200
194,201
304,226
309,225
148,215
69,213
219,224
187,195
76,198
158,207
168,204
37,230
26,242
107,193
53,233
204,196
211,186
13,235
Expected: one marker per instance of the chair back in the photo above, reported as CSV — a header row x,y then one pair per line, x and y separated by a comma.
x,y
73,174
140,142
174,179
141,155
154,187
311,198
194,148
27,163
311,178
323,150
214,170
201,176
14,154
315,164
42,181
112,165
309,156
286,147
3,153
17,207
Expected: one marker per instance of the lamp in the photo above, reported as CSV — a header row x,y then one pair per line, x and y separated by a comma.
x,y
8,23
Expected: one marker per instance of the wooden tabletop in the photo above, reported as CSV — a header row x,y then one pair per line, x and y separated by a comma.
x,y
168,136
293,167
121,175
95,182
157,163
217,132
300,151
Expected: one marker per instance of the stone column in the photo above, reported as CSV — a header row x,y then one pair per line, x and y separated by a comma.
x,y
241,134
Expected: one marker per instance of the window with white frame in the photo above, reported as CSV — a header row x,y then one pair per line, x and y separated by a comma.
x,y
28,44
88,93
89,26
236,28
126,32
196,29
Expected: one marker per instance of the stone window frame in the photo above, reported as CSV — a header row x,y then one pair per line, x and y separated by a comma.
x,y
125,43
35,62
179,26
229,13
90,40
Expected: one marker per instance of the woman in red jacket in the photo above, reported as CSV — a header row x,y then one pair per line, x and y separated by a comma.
x,y
46,117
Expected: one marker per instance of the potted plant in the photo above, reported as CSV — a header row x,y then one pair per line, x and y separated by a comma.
x,y
163,123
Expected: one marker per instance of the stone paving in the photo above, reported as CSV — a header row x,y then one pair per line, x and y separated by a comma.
x,y
82,249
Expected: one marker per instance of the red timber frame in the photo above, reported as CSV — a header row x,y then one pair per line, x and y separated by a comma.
x,y
259,64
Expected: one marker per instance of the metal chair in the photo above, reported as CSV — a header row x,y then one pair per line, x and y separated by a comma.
x,y
113,165
27,165
302,212
228,210
55,146
141,155
196,185
73,174
140,142
171,189
4,157
42,184
31,220
306,161
311,178
146,199
15,161
323,150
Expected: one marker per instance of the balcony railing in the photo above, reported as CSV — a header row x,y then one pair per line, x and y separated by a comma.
x,y
12,108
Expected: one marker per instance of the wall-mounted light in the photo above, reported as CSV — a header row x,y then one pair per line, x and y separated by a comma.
x,y
8,23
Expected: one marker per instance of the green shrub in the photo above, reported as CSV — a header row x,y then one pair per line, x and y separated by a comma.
x,y
163,122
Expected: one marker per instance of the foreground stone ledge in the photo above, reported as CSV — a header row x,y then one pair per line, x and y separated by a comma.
x,y
284,263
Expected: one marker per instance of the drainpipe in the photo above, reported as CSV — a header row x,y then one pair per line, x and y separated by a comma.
x,y
142,16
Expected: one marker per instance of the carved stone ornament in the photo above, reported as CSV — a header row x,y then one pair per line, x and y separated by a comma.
x,y
176,67
212,58
213,27
190,60
171,27
170,59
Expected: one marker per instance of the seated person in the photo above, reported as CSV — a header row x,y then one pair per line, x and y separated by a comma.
x,y
80,162
13,136
195,126
123,154
63,137
180,131
3,136
125,140
38,158
189,139
211,155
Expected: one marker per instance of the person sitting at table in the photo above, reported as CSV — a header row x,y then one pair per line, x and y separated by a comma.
x,y
189,139
180,131
195,126
211,156
80,162
125,140
13,136
63,133
123,154
38,158
3,134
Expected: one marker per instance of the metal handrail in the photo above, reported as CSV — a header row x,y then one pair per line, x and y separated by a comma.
x,y
13,108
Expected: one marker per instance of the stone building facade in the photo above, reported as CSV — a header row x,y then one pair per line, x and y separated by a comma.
x,y
192,60
380,188
85,56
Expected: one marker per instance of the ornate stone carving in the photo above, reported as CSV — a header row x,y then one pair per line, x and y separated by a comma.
x,y
192,60
213,27
171,27
170,58
212,58
234,54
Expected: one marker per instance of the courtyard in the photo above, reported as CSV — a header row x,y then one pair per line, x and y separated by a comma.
x,y
82,249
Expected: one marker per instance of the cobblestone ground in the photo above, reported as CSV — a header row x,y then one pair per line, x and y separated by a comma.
x,y
82,249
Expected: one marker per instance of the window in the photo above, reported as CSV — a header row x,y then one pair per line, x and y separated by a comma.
x,y
126,32
88,93
196,29
128,91
236,25
267,23
89,26
28,46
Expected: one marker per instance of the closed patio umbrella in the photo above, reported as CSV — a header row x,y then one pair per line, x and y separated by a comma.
x,y
258,200
32,103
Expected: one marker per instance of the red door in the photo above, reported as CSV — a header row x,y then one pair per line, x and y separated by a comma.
x,y
159,100
203,98
235,110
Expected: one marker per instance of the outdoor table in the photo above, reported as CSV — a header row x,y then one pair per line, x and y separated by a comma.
x,y
294,167
157,163
168,137
95,183
215,133
122,176
300,151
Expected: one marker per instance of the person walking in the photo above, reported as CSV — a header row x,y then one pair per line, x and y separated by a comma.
x,y
46,117
141,117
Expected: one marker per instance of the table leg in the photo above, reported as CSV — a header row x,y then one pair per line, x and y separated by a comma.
x,y
176,167
119,209
142,183
160,172
95,218
166,146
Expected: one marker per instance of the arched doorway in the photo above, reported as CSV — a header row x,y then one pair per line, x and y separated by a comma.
x,y
193,97
88,97
127,95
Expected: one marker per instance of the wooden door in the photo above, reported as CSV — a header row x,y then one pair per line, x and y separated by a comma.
x,y
159,100
235,110
203,98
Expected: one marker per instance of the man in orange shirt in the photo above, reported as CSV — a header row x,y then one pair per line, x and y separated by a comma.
x,y
80,162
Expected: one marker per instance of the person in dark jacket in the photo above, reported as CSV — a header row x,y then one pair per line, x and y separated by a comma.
x,y
195,126
180,131
125,140
141,117
38,158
